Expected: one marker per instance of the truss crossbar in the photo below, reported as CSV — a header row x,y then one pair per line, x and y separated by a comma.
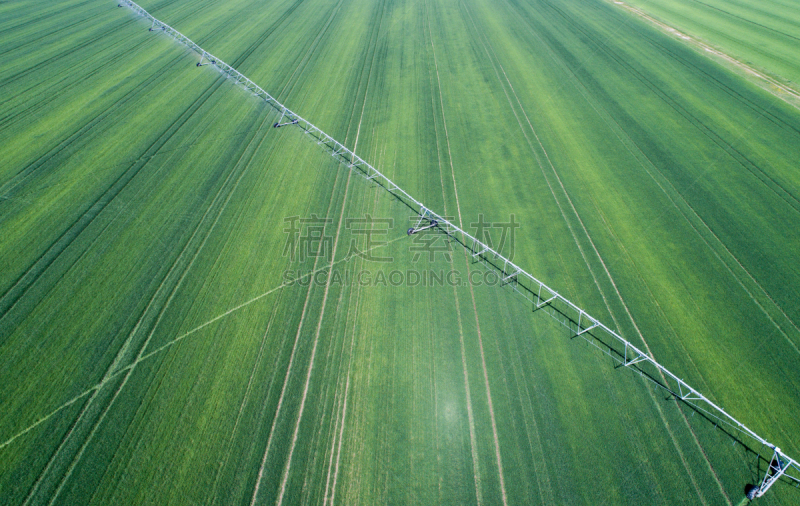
x,y
513,274
546,302
777,468
587,329
478,253
525,282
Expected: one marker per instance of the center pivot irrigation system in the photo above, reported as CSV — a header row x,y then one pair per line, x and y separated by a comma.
x,y
541,296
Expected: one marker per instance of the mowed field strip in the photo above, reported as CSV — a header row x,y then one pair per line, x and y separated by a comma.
x,y
144,200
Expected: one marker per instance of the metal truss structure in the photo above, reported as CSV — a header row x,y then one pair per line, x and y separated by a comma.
x,y
539,295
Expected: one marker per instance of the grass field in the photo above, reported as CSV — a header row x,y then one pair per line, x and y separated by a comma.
x,y
761,34
159,345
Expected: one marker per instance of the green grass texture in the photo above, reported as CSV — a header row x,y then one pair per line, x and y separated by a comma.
x,y
159,346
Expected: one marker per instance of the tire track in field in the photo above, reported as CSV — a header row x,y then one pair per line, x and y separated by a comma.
x,y
547,180
214,494
332,369
357,438
26,280
301,67
341,398
476,472
220,194
260,40
163,309
41,38
53,14
749,21
498,458
638,331
718,255
78,75
175,341
288,465
289,87
591,271
545,488
179,269
86,44
289,367
688,213
757,172
334,363
340,407
342,420
200,101
330,489
525,401
31,275
693,212
16,114
542,475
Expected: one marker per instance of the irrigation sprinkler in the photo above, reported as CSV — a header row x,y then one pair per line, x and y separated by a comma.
x,y
424,216
203,56
278,125
414,230
539,294
777,468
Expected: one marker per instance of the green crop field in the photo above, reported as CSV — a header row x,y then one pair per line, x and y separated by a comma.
x,y
763,33
196,307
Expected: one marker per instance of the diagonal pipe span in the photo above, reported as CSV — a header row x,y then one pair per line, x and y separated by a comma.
x,y
541,296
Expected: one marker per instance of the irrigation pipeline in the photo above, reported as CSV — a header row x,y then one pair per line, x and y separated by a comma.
x,y
541,296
